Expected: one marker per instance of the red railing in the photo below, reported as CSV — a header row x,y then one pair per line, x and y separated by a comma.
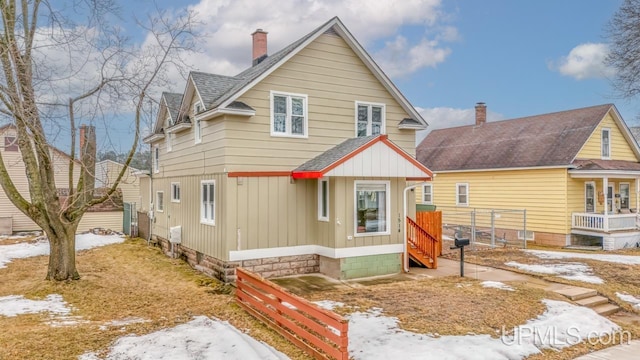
x,y
425,243
317,331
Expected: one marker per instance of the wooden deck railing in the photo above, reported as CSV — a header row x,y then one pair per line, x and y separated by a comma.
x,y
319,332
604,223
423,241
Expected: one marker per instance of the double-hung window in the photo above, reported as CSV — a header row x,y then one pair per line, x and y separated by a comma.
x,y
606,143
289,116
427,194
160,201
207,202
175,192
197,124
462,194
370,119
156,159
323,199
624,195
372,205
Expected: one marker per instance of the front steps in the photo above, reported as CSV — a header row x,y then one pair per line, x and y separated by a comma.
x,y
587,298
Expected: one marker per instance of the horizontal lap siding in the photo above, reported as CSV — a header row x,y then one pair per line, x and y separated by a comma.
x,y
333,77
542,192
620,148
106,220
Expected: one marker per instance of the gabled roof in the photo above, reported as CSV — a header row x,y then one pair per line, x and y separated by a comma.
x,y
173,101
219,91
547,140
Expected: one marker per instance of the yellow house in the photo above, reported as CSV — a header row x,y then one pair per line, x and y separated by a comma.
x,y
576,172
298,164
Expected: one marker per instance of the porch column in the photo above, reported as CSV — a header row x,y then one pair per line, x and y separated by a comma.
x,y
637,195
605,186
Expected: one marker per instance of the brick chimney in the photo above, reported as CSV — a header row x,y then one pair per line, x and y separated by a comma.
x,y
259,46
481,113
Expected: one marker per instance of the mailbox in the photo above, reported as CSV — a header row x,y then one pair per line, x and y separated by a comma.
x,y
460,242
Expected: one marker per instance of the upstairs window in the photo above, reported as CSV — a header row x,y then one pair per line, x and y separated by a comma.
x,y
606,143
156,159
175,192
289,115
10,143
370,119
427,194
462,194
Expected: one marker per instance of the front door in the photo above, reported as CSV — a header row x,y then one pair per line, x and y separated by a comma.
x,y
610,188
590,197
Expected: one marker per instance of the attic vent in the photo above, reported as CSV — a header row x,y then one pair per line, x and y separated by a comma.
x,y
331,31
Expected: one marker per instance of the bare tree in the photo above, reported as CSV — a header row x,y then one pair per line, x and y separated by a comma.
x,y
58,73
623,31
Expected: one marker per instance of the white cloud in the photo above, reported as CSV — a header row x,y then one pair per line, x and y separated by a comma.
x,y
446,117
399,58
585,61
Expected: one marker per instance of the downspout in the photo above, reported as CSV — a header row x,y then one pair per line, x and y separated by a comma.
x,y
405,257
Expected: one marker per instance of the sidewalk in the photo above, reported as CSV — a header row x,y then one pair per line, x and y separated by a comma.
x,y
619,352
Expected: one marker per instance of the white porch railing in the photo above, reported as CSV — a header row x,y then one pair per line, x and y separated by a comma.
x,y
605,223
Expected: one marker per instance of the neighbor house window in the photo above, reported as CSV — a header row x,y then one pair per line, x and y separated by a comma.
x,y
288,114
624,195
156,159
606,143
10,143
372,202
207,202
427,194
175,192
462,194
370,119
323,199
160,201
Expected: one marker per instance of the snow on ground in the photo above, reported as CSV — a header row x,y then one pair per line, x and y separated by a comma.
x,y
14,305
122,322
497,285
25,250
569,271
630,299
621,259
374,336
201,338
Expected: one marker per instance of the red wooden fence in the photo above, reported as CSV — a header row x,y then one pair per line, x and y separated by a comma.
x,y
431,222
319,332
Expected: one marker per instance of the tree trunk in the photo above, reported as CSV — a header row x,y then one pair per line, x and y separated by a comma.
x,y
62,261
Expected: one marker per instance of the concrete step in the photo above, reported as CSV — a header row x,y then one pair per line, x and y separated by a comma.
x,y
606,309
575,293
592,301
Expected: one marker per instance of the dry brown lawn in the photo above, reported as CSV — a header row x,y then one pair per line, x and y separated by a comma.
x,y
118,281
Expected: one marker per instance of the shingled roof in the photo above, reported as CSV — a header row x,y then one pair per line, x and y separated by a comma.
x,y
173,104
543,140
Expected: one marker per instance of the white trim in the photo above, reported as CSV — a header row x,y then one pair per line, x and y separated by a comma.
x,y
608,130
578,174
334,253
169,140
369,105
153,138
320,182
530,235
305,111
430,193
197,130
173,199
505,169
595,197
387,185
611,185
620,192
211,221
458,203
178,127
156,159
212,114
159,202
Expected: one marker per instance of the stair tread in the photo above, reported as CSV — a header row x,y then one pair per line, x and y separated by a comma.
x,y
592,301
606,309
576,293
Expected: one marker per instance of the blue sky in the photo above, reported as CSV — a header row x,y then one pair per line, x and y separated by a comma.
x,y
520,57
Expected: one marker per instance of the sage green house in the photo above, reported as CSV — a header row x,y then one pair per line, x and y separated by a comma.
x,y
296,165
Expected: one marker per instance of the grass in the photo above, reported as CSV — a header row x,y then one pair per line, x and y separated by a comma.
x,y
118,281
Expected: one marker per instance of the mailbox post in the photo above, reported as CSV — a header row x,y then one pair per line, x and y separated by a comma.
x,y
460,243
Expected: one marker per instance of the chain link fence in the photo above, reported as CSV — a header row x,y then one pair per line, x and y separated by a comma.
x,y
487,227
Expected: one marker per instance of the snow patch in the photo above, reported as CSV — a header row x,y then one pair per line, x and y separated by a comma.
x,y
122,322
569,271
630,299
497,285
201,338
14,305
328,304
553,255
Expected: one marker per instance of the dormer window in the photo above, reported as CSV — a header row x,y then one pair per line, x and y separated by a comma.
x,y
288,114
170,121
606,143
370,119
197,108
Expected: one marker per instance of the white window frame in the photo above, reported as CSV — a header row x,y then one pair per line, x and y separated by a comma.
x,y
430,192
530,235
197,107
595,197
159,208
466,185
156,159
203,220
169,142
322,217
175,186
305,110
611,186
605,152
387,185
383,127
628,193
197,126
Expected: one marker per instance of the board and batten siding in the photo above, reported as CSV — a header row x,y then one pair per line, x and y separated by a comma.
x,y
205,238
333,78
620,148
543,192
